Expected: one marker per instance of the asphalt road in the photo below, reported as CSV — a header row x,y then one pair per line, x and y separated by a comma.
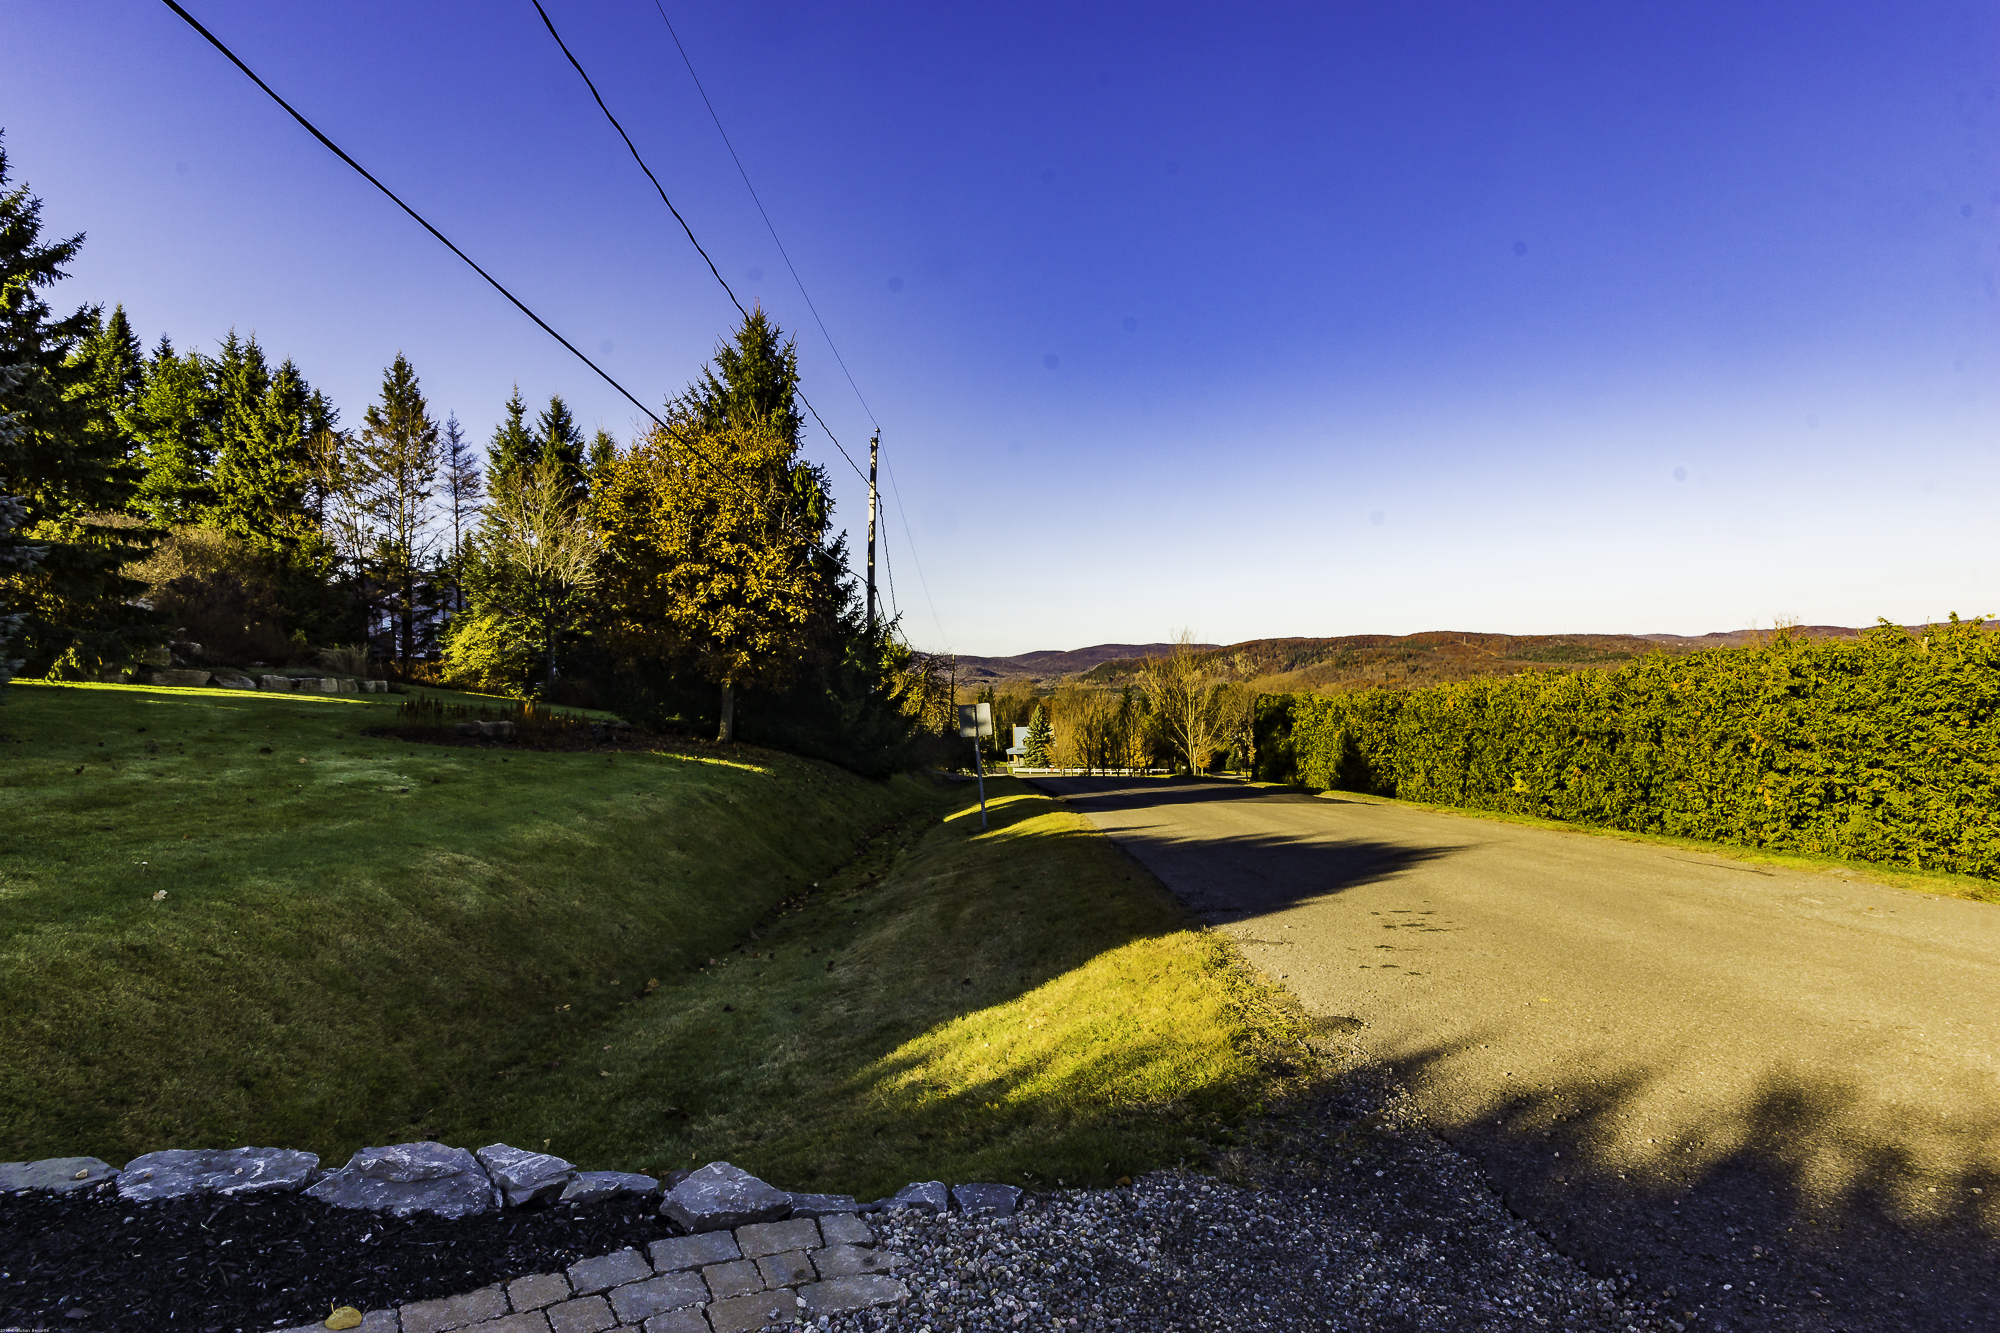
x,y
1674,1064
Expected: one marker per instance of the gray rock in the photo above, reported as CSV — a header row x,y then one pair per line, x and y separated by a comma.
x,y
275,684
347,686
409,1178
822,1205
321,685
1000,1200
721,1197
929,1195
56,1175
497,730
524,1177
229,680
374,687
591,1186
179,1171
185,679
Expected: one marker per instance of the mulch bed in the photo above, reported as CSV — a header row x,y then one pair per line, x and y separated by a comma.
x,y
97,1263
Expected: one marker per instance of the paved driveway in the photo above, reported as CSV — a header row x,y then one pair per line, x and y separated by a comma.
x,y
1671,1062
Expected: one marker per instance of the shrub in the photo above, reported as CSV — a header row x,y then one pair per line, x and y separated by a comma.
x,y
1884,749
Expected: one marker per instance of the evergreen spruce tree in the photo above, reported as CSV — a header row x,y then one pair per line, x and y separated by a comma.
x,y
266,421
463,488
513,450
603,453
401,457
65,459
557,436
174,418
754,381
1041,740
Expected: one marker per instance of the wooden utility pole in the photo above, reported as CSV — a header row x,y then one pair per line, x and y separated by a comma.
x,y
874,447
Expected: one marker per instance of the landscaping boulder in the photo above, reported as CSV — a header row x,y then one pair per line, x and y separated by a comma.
x,y
591,1186
524,1177
320,685
721,1197
1000,1200
374,686
410,1178
276,684
229,1171
347,685
186,679
503,731
929,1195
229,680
56,1175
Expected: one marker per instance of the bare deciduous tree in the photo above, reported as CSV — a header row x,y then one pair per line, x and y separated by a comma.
x,y
1183,704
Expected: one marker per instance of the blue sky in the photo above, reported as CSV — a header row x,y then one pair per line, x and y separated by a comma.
x,y
1261,320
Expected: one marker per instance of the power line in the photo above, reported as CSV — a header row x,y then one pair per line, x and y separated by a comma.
x,y
742,171
421,221
922,582
769,226
630,147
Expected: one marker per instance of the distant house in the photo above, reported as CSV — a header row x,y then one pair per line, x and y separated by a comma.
x,y
1019,748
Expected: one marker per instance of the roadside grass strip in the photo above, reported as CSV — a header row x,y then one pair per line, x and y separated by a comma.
x,y
231,918
1024,1005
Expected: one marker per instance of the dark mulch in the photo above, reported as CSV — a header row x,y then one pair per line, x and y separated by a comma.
x,y
96,1264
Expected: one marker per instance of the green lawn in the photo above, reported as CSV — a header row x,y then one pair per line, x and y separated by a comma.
x,y
1023,1005
356,933
366,941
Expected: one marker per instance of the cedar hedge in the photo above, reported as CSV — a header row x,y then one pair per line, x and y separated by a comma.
x,y
1885,748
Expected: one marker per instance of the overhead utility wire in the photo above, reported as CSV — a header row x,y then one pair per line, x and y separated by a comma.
x,y
494,282
633,149
922,582
742,171
769,226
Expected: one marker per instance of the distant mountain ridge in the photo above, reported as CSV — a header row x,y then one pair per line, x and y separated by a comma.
x,y
1059,662
1362,660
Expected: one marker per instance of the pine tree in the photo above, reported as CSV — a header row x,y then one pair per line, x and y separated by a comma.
x,y
66,460
557,436
513,449
399,446
174,417
753,381
603,453
463,490
1041,740
117,365
266,423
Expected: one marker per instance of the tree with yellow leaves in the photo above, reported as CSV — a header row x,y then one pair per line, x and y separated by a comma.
x,y
713,539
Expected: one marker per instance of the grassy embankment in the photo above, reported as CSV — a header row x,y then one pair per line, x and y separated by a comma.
x,y
364,940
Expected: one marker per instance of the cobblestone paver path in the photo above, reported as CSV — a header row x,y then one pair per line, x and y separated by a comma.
x,y
709,1282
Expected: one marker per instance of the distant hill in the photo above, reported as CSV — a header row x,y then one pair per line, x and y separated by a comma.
x,y
1364,661
1390,661
1056,662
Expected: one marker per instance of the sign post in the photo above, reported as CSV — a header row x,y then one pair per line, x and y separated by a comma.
x,y
974,722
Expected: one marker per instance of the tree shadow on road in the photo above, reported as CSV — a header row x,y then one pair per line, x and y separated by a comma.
x,y
1789,1211
1225,878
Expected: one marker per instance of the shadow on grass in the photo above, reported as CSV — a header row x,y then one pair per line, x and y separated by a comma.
x,y
1804,1203
1023,1004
